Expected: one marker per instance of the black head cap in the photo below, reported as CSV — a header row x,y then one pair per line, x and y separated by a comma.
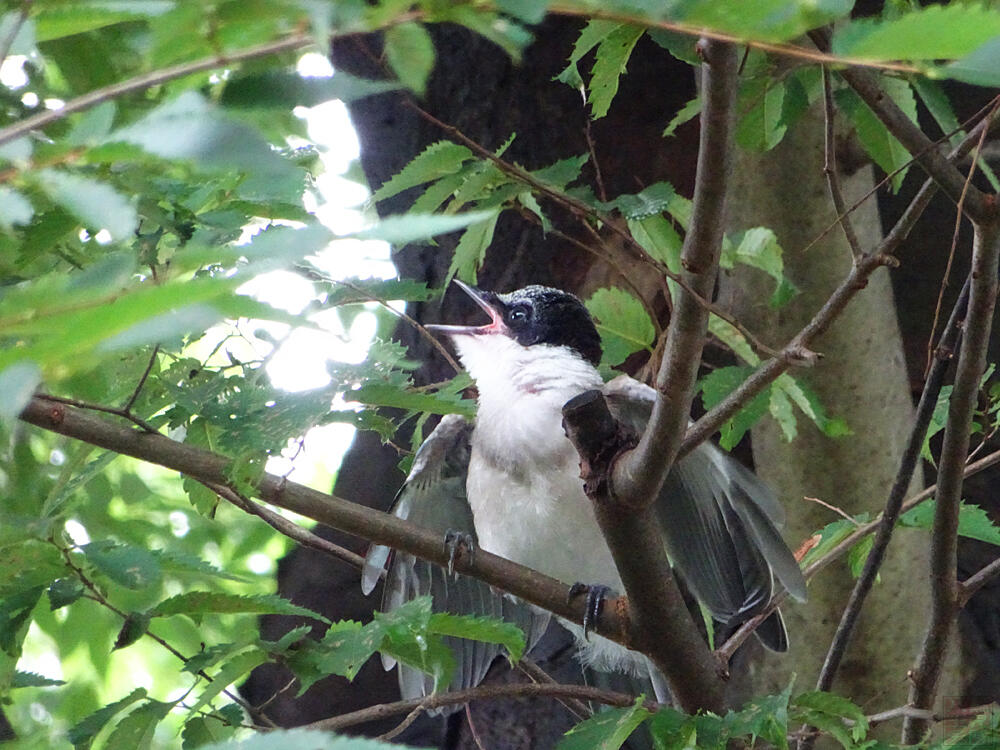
x,y
545,315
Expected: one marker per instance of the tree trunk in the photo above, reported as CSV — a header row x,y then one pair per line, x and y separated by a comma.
x,y
861,378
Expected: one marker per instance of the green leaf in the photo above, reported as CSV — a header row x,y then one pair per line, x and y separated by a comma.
x,y
655,199
235,668
410,53
135,731
720,383
590,36
488,629
284,90
390,395
686,113
609,66
623,323
858,555
15,209
658,238
729,335
194,604
17,385
759,248
404,228
54,21
64,591
980,67
934,32
561,173
96,204
762,127
130,566
881,145
973,521
135,626
30,679
765,718
808,402
434,162
605,730
200,731
83,733
833,534
471,249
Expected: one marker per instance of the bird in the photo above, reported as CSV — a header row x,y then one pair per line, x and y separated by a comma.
x,y
511,480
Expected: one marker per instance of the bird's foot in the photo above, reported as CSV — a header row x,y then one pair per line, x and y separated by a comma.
x,y
596,594
454,543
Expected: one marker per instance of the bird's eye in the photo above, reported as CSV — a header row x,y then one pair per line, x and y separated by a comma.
x,y
517,315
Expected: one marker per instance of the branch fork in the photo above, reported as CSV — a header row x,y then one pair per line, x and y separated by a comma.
x,y
600,440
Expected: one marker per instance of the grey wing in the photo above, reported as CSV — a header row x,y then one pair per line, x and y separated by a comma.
x,y
719,521
434,497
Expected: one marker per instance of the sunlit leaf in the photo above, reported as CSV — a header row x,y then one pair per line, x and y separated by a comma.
x,y
623,323
606,730
609,66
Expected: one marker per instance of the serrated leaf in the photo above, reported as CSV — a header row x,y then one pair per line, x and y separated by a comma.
x,y
471,249
130,566
655,199
658,238
15,209
283,90
733,338
135,731
833,534
96,204
235,668
388,395
590,37
561,173
404,228
64,591
759,248
352,291
973,521
199,731
606,730
180,563
781,409
194,604
83,732
609,66
808,402
622,322
720,383
410,53
877,141
934,32
686,113
31,679
434,162
762,127
858,555
487,629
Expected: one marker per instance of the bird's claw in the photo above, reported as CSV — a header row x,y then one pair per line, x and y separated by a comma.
x,y
454,541
596,594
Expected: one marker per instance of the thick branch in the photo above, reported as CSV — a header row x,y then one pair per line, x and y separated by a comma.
x,y
351,518
954,451
640,475
659,623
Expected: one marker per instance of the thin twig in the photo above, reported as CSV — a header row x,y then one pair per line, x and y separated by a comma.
x,y
839,511
290,529
403,725
481,692
535,673
830,166
968,588
127,409
117,411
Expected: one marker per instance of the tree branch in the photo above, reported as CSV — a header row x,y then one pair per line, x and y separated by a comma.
x,y
909,134
351,518
482,692
623,483
954,450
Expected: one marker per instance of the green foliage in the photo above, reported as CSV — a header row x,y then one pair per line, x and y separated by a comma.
x,y
623,323
129,227
973,521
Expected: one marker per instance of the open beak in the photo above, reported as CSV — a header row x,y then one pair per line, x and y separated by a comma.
x,y
496,324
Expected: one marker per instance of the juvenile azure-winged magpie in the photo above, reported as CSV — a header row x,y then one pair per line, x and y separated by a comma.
x,y
516,478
